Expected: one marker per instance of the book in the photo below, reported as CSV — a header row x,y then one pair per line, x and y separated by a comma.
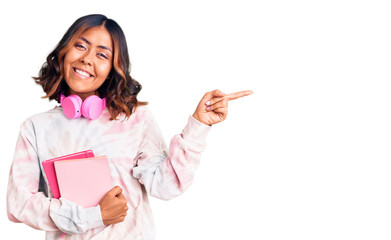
x,y
84,181
48,167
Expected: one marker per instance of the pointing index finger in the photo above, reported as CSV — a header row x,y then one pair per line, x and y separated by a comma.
x,y
237,95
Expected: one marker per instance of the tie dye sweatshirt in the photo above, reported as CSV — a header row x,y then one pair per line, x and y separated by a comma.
x,y
140,163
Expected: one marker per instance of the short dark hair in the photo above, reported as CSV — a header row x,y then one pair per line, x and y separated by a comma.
x,y
120,89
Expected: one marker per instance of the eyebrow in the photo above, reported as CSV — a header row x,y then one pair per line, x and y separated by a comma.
x,y
100,46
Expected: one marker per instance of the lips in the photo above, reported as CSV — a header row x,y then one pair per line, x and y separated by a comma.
x,y
82,73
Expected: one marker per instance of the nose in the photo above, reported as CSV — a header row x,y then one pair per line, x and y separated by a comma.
x,y
86,58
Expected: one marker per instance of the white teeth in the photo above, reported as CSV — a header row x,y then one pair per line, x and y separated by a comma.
x,y
82,72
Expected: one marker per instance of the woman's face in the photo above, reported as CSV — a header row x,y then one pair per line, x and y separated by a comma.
x,y
88,62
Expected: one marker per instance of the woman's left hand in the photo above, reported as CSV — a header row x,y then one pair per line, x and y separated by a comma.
x,y
213,107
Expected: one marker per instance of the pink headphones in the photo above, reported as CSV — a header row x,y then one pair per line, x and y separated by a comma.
x,y
74,107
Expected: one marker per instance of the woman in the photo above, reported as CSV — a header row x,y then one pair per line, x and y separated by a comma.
x,y
89,69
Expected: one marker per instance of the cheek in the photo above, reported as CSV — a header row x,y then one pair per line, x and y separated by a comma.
x,y
103,70
70,57
66,63
66,67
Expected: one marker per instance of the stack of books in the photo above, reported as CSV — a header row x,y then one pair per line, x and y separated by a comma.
x,y
79,177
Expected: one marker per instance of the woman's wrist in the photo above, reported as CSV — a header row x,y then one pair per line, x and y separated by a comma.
x,y
198,119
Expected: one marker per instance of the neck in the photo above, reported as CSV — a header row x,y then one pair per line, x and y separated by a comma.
x,y
83,96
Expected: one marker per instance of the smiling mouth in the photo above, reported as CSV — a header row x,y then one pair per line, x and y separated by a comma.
x,y
82,73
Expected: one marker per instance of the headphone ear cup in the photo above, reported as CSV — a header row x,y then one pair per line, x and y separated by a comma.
x,y
71,106
93,107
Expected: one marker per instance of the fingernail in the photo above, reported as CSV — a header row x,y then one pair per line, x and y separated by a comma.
x,y
207,108
207,103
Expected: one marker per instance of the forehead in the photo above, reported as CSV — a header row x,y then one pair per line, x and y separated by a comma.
x,y
98,36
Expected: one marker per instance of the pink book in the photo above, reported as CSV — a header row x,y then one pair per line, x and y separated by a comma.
x,y
48,167
84,181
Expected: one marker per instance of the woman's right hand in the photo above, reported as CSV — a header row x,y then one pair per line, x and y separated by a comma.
x,y
113,206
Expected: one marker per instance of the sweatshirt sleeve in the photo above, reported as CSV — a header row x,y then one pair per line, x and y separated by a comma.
x,y
166,173
74,219
26,204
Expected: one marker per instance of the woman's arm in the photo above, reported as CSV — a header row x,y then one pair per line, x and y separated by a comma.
x,y
24,202
27,205
166,173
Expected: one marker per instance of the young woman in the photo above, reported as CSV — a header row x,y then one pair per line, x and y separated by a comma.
x,y
88,74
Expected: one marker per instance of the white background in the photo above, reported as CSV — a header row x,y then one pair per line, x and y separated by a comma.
x,y
307,156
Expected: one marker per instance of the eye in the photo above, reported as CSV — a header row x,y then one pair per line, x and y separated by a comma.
x,y
80,46
103,55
